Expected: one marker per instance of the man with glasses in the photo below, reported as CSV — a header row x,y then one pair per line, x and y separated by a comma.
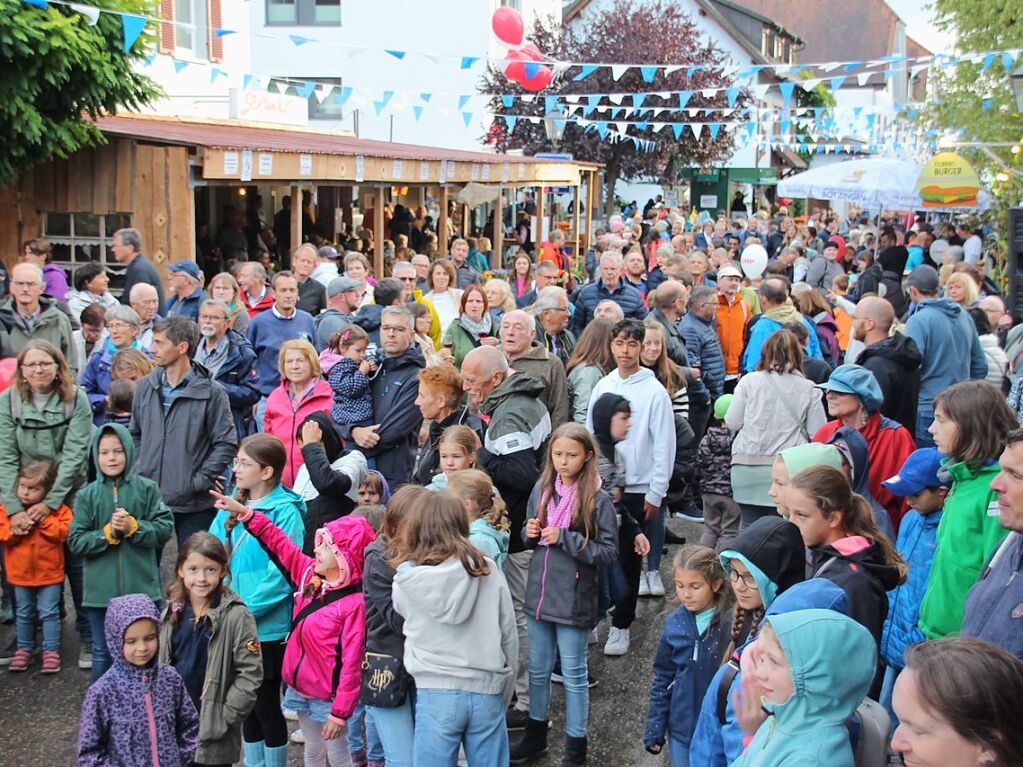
x,y
553,312
146,302
393,440
406,273
188,293
27,315
230,360
544,276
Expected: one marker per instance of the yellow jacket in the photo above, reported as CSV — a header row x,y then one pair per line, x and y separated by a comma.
x,y
417,296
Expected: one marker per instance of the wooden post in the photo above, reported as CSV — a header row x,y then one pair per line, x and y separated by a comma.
x,y
538,234
591,210
442,225
496,254
465,219
378,234
575,218
296,221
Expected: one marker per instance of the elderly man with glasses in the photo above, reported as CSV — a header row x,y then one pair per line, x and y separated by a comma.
x,y
230,360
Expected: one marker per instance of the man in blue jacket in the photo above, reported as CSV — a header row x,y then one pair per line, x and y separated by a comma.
x,y
777,310
611,286
705,355
188,293
948,342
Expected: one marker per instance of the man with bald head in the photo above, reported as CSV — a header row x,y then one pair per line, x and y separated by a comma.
x,y
893,358
146,302
517,428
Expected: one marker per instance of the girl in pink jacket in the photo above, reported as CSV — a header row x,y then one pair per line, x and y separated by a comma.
x,y
323,658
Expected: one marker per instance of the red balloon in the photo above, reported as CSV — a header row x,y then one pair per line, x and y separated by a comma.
x,y
531,52
516,69
540,80
507,25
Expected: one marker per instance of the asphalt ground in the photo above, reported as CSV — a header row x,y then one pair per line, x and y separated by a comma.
x,y
39,715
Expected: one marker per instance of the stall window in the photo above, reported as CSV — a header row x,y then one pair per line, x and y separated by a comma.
x,y
78,238
303,12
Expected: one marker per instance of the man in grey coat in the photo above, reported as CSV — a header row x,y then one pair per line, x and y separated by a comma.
x,y
182,426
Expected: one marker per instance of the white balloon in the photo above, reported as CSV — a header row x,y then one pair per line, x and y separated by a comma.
x,y
753,260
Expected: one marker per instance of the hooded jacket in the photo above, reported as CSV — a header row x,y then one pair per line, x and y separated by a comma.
x,y
610,464
51,325
428,459
329,478
241,382
715,460
384,625
949,347
36,559
282,420
856,452
48,434
136,715
889,445
809,728
491,541
323,656
115,564
895,363
254,576
968,533
649,449
893,264
718,745
368,318
518,427
233,673
763,325
992,611
395,389
459,630
562,585
262,305
918,542
826,328
540,364
185,451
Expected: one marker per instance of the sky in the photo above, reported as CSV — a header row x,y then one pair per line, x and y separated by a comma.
x,y
918,17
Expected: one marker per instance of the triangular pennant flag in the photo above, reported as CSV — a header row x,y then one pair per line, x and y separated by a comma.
x,y
864,77
224,32
697,129
467,118
397,54
426,97
132,27
809,85
180,66
677,129
617,70
321,93
587,70
709,93
760,91
306,89
550,104
683,98
384,99
715,128
733,95
836,83
215,73
593,101
417,111
1008,59
90,12
462,101
435,58
468,61
529,98
786,89
616,98
638,99
508,101
38,3
299,40
642,126
648,73
247,80
532,68
852,65
510,121
343,97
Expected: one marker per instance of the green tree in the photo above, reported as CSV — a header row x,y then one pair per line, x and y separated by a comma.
x,y
57,73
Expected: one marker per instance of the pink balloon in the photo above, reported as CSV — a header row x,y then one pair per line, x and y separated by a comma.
x,y
540,80
507,25
516,69
532,53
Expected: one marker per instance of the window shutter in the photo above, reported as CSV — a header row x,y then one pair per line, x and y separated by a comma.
x,y
216,43
166,44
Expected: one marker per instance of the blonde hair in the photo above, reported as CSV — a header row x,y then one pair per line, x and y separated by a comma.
x,y
475,486
462,436
963,280
507,299
308,351
584,516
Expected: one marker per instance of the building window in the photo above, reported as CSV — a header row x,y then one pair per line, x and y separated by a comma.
x,y
192,29
513,4
303,13
78,238
328,109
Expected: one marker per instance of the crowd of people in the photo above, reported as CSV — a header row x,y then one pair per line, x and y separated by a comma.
x,y
405,504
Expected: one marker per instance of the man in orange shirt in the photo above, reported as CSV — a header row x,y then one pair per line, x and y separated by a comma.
x,y
733,313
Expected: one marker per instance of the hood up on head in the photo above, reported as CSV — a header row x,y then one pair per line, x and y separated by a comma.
x,y
385,489
121,613
773,551
348,537
604,410
126,441
809,455
814,594
853,445
332,444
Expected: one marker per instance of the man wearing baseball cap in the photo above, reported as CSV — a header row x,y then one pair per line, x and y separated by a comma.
x,y
326,265
343,297
947,341
732,314
188,293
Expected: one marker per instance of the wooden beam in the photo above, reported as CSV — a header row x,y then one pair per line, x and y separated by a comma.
x,y
378,234
464,210
575,223
538,234
442,225
498,242
296,222
591,206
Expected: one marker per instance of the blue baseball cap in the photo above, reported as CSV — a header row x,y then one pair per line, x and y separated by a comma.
x,y
919,472
188,267
856,380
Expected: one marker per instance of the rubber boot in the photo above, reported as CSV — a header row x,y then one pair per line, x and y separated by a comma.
x,y
255,754
533,744
277,756
575,752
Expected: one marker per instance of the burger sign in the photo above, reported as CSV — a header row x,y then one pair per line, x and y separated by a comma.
x,y
948,181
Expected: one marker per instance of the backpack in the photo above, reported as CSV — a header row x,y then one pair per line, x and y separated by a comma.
x,y
16,405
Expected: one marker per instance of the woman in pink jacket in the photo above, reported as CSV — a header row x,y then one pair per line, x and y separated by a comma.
x,y
302,392
323,659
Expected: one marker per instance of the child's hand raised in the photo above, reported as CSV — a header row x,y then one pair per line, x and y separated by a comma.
x,y
551,535
228,503
311,432
533,528
749,714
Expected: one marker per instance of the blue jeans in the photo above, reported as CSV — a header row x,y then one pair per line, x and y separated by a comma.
x,y
260,410
654,530
100,653
924,419
42,602
885,698
678,752
370,742
546,642
395,730
74,570
447,719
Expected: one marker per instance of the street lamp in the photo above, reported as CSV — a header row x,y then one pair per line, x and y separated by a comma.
x,y
554,127
1016,80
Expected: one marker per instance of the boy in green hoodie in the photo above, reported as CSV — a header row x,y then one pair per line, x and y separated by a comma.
x,y
119,528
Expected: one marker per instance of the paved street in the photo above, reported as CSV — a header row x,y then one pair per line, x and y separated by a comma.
x,y
39,715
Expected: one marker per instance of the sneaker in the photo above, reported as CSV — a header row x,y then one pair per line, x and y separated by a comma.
x,y
515,719
690,511
617,642
7,653
298,737
644,587
85,658
558,678
21,661
51,662
653,580
291,716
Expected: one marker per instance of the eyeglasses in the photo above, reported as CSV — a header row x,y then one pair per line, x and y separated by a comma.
x,y
407,279
119,326
747,580
39,365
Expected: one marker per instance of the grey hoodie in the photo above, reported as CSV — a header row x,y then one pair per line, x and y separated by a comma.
x,y
459,630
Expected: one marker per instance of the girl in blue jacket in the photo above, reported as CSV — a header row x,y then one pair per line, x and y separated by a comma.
x,y
689,652
262,586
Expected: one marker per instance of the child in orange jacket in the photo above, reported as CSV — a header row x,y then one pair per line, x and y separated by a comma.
x,y
35,568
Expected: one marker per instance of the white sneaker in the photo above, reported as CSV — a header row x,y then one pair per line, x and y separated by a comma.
x,y
291,716
644,585
653,580
617,642
298,737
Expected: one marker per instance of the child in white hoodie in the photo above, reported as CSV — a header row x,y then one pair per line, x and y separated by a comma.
x,y
461,645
